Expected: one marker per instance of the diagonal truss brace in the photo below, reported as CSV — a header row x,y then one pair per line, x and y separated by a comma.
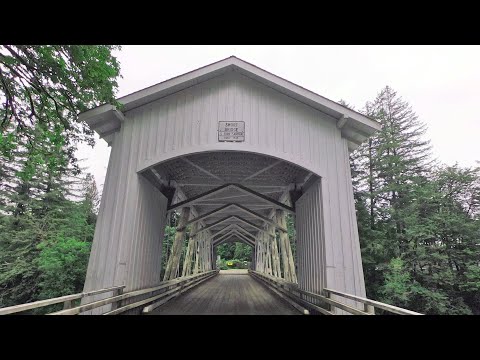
x,y
237,228
240,207
231,217
232,236
244,189
229,235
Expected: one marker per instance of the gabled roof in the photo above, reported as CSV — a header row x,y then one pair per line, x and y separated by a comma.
x,y
106,119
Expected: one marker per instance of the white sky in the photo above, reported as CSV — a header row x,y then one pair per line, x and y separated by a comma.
x,y
441,83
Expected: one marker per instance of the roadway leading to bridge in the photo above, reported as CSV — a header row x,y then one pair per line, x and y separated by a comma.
x,y
232,292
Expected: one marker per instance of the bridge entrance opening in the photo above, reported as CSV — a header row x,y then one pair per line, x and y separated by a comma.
x,y
226,196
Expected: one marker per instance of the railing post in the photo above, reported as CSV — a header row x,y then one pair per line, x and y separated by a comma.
x,y
117,304
369,309
328,295
181,287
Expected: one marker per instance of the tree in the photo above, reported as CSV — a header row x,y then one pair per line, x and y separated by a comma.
x,y
46,207
63,266
384,170
44,248
47,217
49,85
226,251
418,221
444,231
397,286
242,252
397,157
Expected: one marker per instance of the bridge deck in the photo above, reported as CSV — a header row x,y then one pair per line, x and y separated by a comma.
x,y
232,292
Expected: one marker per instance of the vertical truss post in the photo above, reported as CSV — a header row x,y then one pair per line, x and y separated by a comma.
x,y
174,259
286,250
188,261
277,272
268,247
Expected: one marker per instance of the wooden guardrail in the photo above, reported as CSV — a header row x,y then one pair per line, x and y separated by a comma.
x,y
324,304
66,300
169,289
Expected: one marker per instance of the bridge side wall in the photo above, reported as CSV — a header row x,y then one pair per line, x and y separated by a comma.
x,y
328,251
127,245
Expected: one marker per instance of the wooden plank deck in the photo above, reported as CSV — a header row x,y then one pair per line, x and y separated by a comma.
x,y
232,292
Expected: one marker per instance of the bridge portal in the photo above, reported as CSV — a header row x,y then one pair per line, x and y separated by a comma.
x,y
237,152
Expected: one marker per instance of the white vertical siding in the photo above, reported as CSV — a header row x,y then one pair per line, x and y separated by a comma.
x,y
345,267
275,124
310,240
128,237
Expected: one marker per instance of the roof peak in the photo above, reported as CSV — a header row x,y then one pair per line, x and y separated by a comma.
x,y
358,121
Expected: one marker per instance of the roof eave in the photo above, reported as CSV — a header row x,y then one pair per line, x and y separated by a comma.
x,y
301,94
104,119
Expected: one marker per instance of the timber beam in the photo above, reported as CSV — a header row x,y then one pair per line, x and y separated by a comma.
x,y
233,238
226,228
222,237
198,197
258,216
231,217
208,214
244,189
240,207
235,227
243,236
258,195
208,227
229,235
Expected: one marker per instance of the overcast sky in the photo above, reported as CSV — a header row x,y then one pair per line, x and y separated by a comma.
x,y
441,83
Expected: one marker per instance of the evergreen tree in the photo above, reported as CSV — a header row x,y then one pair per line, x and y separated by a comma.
x,y
418,222
41,219
47,207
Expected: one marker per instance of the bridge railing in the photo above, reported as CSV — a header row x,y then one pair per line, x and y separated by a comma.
x,y
67,300
168,289
306,301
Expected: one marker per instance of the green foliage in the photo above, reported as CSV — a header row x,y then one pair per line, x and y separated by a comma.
x,y
18,271
44,248
233,264
226,251
43,201
397,283
242,252
418,221
236,250
47,208
62,264
239,254
46,86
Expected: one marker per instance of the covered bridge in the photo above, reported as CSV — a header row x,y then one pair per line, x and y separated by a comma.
x,y
235,150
